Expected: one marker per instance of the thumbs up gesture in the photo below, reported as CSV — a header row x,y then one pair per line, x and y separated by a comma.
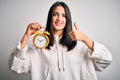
x,y
76,35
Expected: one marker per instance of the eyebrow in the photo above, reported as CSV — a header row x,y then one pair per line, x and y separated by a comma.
x,y
58,13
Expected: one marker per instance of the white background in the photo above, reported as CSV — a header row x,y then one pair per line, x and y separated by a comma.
x,y
99,19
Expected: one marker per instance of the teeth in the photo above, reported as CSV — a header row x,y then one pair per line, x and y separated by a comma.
x,y
58,23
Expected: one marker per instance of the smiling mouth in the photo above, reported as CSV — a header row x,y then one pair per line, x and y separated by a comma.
x,y
58,23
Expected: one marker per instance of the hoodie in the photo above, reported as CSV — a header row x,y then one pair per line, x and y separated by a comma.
x,y
57,63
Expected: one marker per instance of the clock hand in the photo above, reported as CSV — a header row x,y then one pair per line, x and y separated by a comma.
x,y
40,40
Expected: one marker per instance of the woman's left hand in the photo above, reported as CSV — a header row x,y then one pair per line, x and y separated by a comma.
x,y
77,35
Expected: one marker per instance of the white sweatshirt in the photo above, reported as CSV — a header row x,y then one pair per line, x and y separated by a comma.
x,y
59,64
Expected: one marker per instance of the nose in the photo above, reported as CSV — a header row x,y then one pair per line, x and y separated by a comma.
x,y
59,17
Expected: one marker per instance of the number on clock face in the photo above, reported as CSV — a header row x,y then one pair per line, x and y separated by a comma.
x,y
40,41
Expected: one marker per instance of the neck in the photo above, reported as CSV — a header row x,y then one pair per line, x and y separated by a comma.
x,y
58,33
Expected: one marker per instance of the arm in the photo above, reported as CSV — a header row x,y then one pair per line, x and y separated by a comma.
x,y
77,35
19,60
100,55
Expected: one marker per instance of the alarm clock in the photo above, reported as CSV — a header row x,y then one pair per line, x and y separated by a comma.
x,y
40,39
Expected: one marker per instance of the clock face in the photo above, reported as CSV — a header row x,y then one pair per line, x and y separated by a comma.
x,y
40,41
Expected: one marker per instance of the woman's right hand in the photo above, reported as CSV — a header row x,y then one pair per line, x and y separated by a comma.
x,y
31,28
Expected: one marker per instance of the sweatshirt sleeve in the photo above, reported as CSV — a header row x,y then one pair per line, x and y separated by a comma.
x,y
101,57
19,60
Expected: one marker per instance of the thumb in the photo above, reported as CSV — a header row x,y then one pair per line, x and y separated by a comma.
x,y
76,27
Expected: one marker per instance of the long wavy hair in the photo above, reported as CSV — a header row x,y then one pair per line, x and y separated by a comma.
x,y
65,40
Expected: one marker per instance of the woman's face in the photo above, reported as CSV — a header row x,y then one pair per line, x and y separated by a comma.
x,y
59,19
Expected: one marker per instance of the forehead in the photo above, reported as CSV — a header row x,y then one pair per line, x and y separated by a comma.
x,y
59,9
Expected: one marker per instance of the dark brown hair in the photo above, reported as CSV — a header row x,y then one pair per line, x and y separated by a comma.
x,y
65,40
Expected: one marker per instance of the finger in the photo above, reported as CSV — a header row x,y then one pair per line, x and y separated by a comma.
x,y
73,38
33,25
38,26
72,33
76,27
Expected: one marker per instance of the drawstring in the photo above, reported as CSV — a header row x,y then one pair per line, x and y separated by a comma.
x,y
58,58
58,55
63,60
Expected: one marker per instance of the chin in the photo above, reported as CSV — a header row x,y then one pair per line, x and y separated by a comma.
x,y
59,27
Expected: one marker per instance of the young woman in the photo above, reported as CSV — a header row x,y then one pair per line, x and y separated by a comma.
x,y
70,55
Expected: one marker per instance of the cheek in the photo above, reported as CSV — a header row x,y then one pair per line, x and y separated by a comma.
x,y
64,21
53,20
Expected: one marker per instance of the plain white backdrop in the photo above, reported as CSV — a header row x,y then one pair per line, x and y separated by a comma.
x,y
99,19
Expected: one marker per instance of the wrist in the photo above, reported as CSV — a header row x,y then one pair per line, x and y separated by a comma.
x,y
24,40
27,34
89,42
